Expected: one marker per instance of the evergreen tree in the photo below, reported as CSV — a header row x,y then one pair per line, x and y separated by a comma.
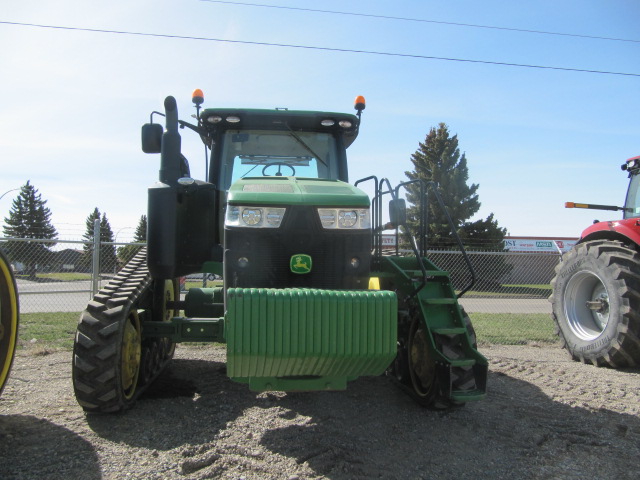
x,y
107,252
140,234
127,252
108,261
29,218
438,159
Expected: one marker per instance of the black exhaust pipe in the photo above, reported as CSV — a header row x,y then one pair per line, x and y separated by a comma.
x,y
171,144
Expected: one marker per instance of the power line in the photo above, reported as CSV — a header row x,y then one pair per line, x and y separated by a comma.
x,y
424,20
327,49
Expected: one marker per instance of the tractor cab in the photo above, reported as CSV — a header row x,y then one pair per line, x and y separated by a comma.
x,y
632,202
282,178
276,143
625,230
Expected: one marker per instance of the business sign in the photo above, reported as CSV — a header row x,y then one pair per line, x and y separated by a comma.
x,y
388,240
533,244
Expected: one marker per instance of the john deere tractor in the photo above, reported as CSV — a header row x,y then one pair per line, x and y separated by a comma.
x,y
308,301
596,290
8,319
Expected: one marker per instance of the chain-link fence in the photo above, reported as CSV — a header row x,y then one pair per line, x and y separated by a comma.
x,y
508,303
62,275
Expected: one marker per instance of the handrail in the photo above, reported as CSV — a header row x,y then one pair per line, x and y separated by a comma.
x,y
419,248
376,216
458,240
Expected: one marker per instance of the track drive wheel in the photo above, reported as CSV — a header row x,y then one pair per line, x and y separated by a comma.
x,y
165,291
596,303
415,365
131,356
9,313
421,364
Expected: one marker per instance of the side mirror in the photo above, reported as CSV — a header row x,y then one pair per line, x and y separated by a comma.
x,y
151,137
398,211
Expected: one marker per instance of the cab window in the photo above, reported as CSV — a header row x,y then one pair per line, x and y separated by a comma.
x,y
267,153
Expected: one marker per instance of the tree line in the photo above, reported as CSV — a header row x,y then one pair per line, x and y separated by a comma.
x,y
29,218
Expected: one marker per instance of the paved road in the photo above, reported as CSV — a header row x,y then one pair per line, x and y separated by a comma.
x,y
53,297
500,305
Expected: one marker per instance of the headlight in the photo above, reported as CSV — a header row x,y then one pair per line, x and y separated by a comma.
x,y
347,218
356,219
254,217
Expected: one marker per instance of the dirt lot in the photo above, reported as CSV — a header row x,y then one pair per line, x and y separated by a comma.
x,y
546,417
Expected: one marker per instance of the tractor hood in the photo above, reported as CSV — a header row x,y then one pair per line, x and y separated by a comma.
x,y
296,191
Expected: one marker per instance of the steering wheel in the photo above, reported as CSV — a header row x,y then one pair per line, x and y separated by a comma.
x,y
279,172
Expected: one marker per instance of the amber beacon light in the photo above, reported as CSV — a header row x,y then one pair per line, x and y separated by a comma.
x,y
197,97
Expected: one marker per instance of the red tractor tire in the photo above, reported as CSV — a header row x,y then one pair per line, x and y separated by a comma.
x,y
596,303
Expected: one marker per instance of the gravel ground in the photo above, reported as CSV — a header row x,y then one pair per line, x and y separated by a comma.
x,y
546,417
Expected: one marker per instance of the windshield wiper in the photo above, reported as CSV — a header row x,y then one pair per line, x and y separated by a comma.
x,y
302,142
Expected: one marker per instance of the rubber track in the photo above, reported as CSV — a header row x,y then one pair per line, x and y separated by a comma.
x,y
462,378
97,349
624,351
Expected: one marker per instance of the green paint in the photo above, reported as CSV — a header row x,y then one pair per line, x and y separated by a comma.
x,y
276,191
308,339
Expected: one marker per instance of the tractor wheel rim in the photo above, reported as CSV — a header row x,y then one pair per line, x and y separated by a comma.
x,y
586,301
131,354
421,367
169,296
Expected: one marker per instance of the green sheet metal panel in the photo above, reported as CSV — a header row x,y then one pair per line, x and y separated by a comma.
x,y
278,333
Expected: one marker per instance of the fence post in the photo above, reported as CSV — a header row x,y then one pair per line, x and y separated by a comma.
x,y
95,269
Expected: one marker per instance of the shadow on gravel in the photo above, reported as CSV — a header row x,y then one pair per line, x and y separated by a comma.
x,y
374,431
23,437
189,403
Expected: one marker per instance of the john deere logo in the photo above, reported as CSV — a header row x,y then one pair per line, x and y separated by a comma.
x,y
300,263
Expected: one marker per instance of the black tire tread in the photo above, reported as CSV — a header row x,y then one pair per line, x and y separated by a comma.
x,y
624,263
97,346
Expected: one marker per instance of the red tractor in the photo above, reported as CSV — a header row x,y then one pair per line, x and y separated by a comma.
x,y
596,290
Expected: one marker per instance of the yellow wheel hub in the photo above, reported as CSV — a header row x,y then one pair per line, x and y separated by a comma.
x,y
131,354
169,296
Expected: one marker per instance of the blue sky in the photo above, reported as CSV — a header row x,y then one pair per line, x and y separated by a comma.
x,y
72,102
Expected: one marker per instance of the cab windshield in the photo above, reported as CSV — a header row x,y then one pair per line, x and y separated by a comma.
x,y
632,204
268,153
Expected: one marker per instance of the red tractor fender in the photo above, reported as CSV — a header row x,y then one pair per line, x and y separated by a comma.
x,y
627,231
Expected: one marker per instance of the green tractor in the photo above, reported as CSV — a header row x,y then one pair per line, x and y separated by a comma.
x,y
308,302
9,313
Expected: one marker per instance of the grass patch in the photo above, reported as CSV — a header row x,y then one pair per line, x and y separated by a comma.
x,y
198,284
539,286
56,277
66,276
51,330
513,328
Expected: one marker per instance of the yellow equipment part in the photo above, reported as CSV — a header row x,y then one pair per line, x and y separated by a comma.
x,y
8,319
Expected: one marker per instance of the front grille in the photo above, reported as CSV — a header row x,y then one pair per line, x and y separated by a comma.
x,y
269,252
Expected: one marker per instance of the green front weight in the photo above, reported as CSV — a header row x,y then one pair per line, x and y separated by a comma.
x,y
308,339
